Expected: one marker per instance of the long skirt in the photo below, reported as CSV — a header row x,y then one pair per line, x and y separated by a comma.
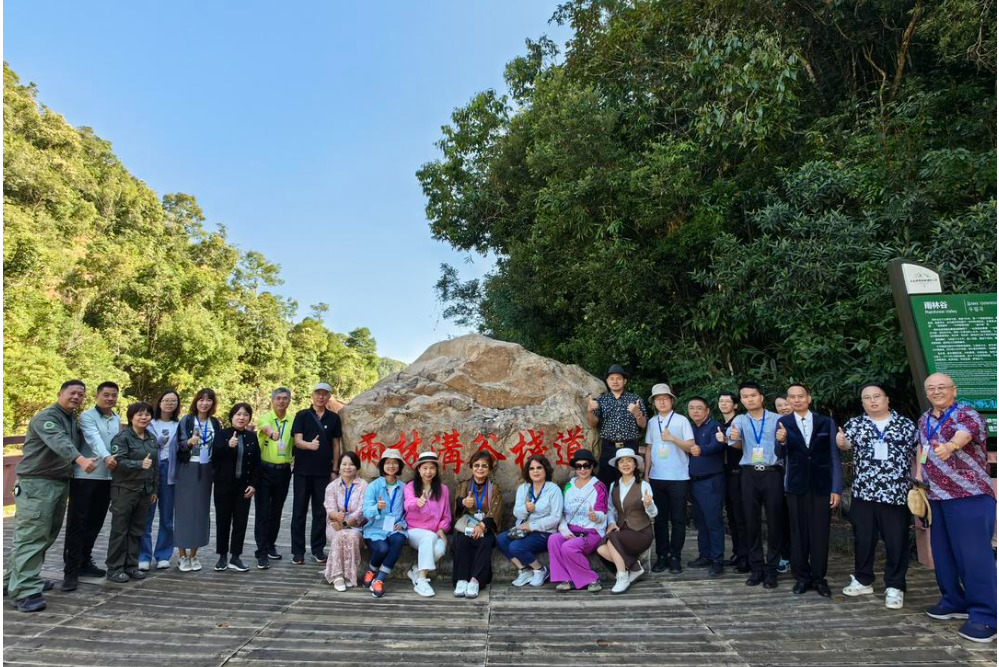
x,y
192,505
344,554
631,544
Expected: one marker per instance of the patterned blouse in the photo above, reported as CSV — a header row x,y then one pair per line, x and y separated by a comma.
x,y
336,494
877,480
616,423
966,472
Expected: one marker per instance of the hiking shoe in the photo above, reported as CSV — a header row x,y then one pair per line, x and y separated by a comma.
x,y
222,565
855,588
236,564
33,602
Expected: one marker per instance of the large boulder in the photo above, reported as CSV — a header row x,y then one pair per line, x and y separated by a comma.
x,y
471,393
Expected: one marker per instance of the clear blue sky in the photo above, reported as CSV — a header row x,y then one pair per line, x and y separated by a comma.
x,y
297,125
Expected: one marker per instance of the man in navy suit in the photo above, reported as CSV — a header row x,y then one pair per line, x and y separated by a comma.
x,y
813,482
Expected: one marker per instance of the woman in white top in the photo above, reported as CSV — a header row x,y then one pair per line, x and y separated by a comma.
x,y
584,522
538,511
166,411
629,520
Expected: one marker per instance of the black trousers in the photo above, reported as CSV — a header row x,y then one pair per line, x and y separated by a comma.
x,y
473,558
268,505
606,472
871,519
308,490
89,500
232,512
810,516
736,515
763,489
670,497
129,509
785,547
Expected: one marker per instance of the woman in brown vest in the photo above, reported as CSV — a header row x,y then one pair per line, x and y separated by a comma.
x,y
629,520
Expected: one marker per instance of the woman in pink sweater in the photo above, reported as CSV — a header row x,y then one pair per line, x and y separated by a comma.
x,y
428,515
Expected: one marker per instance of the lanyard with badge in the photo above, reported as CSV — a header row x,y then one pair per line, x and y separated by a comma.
x,y
203,449
880,447
930,434
757,456
280,429
479,497
346,496
388,523
663,445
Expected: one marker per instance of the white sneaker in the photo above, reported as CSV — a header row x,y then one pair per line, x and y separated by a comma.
x,y
424,589
473,590
621,584
184,564
413,575
339,585
894,598
163,565
539,577
634,575
856,588
460,589
144,565
195,563
524,577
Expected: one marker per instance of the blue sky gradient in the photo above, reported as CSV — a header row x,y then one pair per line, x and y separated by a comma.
x,y
297,126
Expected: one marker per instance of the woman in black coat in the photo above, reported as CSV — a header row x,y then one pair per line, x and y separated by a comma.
x,y
236,466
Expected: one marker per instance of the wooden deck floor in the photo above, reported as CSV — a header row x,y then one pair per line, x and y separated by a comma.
x,y
288,616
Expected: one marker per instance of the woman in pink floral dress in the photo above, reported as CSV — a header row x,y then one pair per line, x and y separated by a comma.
x,y
344,517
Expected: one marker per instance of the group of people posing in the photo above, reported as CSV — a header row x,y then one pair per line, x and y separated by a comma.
x,y
746,464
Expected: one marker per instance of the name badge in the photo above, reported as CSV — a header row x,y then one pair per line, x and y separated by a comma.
x,y
281,447
663,451
881,450
479,516
388,524
757,456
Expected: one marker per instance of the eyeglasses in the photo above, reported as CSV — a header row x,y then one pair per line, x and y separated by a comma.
x,y
939,388
480,466
582,466
872,397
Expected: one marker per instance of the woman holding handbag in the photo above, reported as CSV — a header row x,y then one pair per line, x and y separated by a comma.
x,y
582,528
538,510
479,508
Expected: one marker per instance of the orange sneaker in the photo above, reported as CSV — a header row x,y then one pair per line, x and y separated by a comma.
x,y
377,588
369,576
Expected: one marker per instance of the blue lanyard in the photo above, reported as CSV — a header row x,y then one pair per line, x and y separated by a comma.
x,y
395,492
752,423
929,416
346,498
882,434
281,426
668,421
534,498
204,430
479,498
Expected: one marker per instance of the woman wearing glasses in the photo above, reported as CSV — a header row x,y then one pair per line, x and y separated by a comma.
x,y
584,522
479,507
538,510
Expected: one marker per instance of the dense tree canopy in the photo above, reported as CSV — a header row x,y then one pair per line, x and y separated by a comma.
x,y
104,281
710,190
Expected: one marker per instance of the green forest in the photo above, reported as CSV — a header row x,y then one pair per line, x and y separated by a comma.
x,y
103,280
710,190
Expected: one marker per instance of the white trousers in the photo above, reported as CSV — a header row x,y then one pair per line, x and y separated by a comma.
x,y
429,547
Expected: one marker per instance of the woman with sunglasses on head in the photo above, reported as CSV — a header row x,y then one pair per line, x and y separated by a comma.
x,y
582,528
538,511
630,512
385,530
344,517
479,508
193,488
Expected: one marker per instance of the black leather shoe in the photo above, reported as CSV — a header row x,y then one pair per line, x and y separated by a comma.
x,y
700,561
742,566
822,588
755,579
661,565
717,569
770,581
674,566
734,560
800,588
69,583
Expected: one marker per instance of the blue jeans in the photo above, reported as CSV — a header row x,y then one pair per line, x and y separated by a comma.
x,y
525,549
384,553
164,539
709,496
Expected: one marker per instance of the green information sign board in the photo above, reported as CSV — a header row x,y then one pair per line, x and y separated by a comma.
x,y
957,333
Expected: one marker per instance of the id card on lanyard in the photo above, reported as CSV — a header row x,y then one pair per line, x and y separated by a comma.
x,y
388,523
281,444
929,434
880,447
205,448
663,445
757,456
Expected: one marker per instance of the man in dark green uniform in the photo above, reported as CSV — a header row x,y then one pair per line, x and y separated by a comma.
x,y
51,449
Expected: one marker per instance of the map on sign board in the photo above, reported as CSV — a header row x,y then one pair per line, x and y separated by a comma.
x,y
957,333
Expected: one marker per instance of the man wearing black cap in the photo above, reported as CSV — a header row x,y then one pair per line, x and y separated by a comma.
x,y
621,417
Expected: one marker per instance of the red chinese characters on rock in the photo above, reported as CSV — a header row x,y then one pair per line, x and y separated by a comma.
x,y
450,449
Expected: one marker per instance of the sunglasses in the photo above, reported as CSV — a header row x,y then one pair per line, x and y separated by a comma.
x,y
582,466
